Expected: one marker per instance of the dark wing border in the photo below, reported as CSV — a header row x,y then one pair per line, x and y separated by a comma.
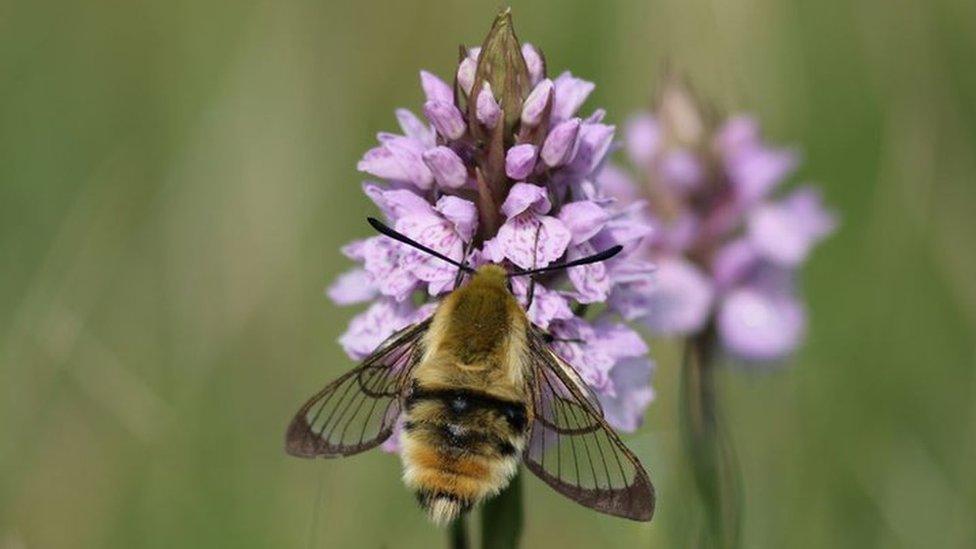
x,y
321,426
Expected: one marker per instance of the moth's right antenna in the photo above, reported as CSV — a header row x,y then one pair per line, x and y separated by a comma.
x,y
595,258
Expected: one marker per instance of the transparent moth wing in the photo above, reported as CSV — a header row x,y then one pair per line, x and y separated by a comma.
x,y
573,449
357,411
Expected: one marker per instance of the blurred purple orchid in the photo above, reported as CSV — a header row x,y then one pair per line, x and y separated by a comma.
x,y
726,249
504,164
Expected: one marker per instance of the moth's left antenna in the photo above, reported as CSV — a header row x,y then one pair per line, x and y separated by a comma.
x,y
387,231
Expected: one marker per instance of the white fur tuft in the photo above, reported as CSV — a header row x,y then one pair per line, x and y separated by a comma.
x,y
443,511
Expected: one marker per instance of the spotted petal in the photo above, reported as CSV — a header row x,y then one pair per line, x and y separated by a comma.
x,y
529,241
384,261
371,327
591,283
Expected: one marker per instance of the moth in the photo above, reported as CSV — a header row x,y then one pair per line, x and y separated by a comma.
x,y
478,391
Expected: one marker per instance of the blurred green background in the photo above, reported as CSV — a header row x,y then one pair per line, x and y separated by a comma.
x,y
176,179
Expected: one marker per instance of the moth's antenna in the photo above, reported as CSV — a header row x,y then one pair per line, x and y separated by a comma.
x,y
385,230
595,258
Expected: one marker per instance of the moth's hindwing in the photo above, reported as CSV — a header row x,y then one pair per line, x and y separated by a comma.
x,y
572,448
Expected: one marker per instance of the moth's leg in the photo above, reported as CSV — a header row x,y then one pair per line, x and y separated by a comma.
x,y
535,253
530,293
464,261
549,338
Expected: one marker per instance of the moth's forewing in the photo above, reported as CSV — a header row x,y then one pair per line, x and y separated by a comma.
x,y
357,411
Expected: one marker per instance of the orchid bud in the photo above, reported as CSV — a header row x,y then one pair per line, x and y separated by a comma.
x,y
534,62
448,168
520,160
560,146
435,89
446,118
465,74
680,114
488,110
536,103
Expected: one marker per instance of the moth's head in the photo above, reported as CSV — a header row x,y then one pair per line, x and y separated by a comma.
x,y
491,274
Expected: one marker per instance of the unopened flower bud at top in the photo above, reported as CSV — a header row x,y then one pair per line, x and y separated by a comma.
x,y
446,118
680,114
501,65
560,146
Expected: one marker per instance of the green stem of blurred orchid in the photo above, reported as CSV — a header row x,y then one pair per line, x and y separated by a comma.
x,y
710,450
501,517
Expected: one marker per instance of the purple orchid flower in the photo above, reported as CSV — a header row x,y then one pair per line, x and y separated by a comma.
x,y
506,173
726,246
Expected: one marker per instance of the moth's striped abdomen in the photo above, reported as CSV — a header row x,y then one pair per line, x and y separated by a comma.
x,y
459,447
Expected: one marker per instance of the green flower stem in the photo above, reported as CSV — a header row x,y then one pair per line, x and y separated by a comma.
x,y
457,535
501,517
709,447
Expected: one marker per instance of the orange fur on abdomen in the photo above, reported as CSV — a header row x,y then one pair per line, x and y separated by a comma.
x,y
448,482
459,446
